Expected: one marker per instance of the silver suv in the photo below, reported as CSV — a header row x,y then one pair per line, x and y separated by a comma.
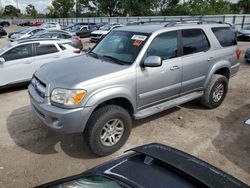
x,y
133,73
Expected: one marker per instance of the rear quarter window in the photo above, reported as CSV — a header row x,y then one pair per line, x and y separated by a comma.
x,y
225,35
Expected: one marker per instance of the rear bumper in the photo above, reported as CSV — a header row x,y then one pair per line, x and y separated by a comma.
x,y
234,69
59,119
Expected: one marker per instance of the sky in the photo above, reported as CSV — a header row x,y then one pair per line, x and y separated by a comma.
x,y
41,5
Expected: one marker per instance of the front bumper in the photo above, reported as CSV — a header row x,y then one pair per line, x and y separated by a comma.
x,y
59,119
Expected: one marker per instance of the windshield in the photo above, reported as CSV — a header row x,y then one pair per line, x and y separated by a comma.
x,y
76,27
90,182
5,47
120,46
247,28
106,27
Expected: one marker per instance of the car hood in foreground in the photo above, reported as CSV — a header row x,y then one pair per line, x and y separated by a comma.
x,y
70,72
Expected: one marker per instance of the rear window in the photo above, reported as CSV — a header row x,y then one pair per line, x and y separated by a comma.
x,y
225,36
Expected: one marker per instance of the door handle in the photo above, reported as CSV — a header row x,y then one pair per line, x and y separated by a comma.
x,y
210,58
176,67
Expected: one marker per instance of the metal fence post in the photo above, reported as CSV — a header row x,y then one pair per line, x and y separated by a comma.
x,y
234,18
243,21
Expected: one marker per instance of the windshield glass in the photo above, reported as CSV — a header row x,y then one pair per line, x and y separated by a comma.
x,y
76,27
5,47
90,182
120,46
105,27
25,31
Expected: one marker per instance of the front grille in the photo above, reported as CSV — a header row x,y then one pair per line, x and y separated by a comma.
x,y
39,86
95,35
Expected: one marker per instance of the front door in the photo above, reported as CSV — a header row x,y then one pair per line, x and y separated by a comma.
x,y
18,65
156,84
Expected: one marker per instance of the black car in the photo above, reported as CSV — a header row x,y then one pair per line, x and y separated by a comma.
x,y
2,32
25,23
86,30
4,23
152,166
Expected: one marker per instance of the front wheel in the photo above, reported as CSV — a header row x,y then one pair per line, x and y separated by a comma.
x,y
108,129
215,92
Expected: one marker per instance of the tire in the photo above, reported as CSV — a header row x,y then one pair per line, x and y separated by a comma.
x,y
213,94
104,117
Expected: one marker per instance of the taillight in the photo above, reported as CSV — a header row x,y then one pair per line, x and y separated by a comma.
x,y
77,51
238,52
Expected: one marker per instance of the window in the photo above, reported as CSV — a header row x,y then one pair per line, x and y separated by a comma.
x,y
47,35
65,36
164,45
225,36
43,49
19,52
194,41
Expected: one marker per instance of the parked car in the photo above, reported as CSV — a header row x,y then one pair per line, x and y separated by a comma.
x,y
102,32
2,32
25,33
25,23
135,72
19,60
16,32
4,23
150,166
247,55
52,25
76,41
36,24
244,34
86,30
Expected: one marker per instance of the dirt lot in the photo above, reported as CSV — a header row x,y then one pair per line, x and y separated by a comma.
x,y
31,154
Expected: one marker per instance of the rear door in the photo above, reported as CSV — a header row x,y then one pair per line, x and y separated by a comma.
x,y
196,59
45,53
18,65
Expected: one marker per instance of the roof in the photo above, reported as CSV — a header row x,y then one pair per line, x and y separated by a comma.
x,y
40,40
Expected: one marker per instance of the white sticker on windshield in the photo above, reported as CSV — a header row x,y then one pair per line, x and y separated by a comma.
x,y
139,37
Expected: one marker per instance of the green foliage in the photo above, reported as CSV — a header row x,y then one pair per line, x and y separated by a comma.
x,y
245,6
11,11
63,8
31,11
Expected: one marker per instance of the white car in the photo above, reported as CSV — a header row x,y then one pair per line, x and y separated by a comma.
x,y
52,26
26,33
104,30
19,60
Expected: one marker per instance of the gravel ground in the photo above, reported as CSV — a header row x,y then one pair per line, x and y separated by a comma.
x,y
31,154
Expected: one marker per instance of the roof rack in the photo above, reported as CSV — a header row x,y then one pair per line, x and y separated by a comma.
x,y
173,23
39,39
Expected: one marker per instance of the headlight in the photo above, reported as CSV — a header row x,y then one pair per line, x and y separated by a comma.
x,y
67,97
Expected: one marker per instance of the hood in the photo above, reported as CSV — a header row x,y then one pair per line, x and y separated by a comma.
x,y
69,72
100,32
245,32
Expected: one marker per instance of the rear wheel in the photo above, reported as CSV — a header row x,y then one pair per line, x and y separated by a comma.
x,y
108,129
215,92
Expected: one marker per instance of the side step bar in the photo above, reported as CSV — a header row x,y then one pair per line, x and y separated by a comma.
x,y
167,105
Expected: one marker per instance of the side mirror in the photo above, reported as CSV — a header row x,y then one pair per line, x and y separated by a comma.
x,y
2,60
153,61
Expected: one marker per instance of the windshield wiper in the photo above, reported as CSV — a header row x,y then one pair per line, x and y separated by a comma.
x,y
93,54
114,60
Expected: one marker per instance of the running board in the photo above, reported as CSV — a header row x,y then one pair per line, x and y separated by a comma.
x,y
167,105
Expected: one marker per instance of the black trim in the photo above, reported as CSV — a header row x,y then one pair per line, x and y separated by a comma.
x,y
190,165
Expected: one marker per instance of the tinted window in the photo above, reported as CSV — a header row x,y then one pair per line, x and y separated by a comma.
x,y
164,45
43,49
19,52
225,36
47,35
194,41
65,36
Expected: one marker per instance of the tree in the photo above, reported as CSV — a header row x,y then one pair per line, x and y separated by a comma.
x,y
51,12
110,7
12,11
245,6
31,11
63,8
138,7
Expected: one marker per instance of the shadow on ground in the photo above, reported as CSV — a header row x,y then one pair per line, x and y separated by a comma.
x,y
233,138
29,133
